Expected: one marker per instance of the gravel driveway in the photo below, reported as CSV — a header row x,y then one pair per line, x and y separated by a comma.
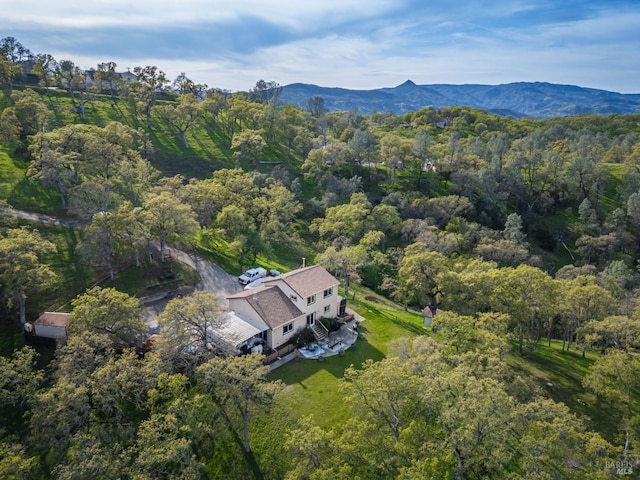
x,y
214,279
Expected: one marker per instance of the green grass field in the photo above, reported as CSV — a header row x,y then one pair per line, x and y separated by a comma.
x,y
21,192
11,173
565,370
313,387
217,250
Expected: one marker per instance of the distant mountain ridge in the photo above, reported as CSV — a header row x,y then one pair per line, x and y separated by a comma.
x,y
520,99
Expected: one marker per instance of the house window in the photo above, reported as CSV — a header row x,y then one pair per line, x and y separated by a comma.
x,y
311,319
311,299
327,308
287,328
328,292
293,298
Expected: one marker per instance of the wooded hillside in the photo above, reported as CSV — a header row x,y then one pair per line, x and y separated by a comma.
x,y
521,233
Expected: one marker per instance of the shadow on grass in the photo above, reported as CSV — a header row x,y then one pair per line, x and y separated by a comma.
x,y
227,456
77,274
210,152
172,163
565,370
11,335
30,195
147,279
71,237
253,465
218,252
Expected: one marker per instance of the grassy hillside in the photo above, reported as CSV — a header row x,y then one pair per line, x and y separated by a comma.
x,y
72,275
11,173
207,151
312,387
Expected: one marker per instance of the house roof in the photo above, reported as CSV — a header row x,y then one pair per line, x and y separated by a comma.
x,y
271,304
306,281
53,319
238,328
429,312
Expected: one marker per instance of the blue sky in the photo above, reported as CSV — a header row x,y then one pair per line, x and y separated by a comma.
x,y
360,44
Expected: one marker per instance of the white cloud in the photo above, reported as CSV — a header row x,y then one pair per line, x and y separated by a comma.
x,y
347,43
146,13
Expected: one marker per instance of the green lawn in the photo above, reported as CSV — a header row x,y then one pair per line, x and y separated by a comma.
x,y
21,192
312,387
217,250
613,179
32,196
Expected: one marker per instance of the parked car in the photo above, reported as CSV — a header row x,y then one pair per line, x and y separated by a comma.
x,y
251,275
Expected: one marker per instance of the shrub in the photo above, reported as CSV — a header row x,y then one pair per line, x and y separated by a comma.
x,y
302,337
330,324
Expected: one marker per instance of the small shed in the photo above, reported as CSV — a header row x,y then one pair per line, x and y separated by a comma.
x,y
428,313
51,325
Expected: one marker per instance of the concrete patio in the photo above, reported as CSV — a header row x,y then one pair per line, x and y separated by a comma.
x,y
335,343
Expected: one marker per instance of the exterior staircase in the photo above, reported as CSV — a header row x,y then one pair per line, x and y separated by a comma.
x,y
320,332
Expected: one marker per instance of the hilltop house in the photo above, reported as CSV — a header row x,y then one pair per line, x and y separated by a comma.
x,y
288,303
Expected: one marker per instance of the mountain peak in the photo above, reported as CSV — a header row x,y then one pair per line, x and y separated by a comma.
x,y
408,83
521,99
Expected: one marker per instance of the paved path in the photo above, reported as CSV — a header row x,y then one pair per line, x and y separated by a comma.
x,y
41,217
213,279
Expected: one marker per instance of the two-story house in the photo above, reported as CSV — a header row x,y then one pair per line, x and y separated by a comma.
x,y
289,302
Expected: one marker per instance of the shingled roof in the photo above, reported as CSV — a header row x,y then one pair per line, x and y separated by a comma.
x,y
53,319
306,281
271,304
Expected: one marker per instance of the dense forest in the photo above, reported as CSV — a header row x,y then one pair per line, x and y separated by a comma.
x,y
522,234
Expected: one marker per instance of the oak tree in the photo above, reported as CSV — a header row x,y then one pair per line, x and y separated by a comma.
x,y
22,269
240,385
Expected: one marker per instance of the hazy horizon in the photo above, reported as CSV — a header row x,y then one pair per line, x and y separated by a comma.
x,y
359,44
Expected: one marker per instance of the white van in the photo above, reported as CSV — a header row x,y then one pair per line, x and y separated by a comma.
x,y
251,275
